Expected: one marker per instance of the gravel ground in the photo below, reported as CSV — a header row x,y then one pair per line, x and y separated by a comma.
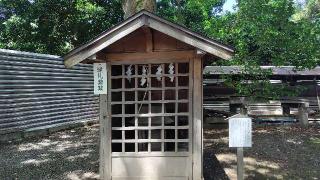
x,y
277,153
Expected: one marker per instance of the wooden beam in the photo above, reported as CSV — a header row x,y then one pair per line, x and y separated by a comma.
x,y
303,114
171,55
200,52
197,118
149,39
91,61
93,57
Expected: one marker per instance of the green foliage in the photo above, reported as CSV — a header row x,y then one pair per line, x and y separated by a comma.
x,y
194,14
266,35
310,12
54,26
263,32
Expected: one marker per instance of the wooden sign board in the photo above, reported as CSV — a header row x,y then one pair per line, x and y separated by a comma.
x,y
100,78
240,132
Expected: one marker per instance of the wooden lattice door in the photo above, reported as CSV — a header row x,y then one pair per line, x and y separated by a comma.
x,y
151,113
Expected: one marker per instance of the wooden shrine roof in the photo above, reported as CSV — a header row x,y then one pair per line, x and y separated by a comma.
x,y
147,19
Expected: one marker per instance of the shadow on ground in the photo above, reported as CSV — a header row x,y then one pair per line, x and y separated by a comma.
x,y
212,169
277,153
71,154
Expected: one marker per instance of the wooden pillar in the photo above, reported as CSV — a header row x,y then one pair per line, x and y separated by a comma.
x,y
105,134
240,164
197,119
285,109
233,108
243,109
303,113
238,102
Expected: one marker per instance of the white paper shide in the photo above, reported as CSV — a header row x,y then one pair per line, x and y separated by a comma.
x,y
100,78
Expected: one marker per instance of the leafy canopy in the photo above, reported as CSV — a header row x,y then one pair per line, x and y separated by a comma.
x,y
54,26
263,32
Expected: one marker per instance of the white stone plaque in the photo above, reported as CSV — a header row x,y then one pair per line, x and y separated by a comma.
x,y
100,78
240,131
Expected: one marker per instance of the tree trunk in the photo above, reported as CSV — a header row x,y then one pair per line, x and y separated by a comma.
x,y
131,7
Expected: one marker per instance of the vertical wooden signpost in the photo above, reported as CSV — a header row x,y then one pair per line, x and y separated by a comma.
x,y
240,136
101,88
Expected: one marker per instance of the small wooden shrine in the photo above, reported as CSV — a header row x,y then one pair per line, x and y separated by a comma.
x,y
151,117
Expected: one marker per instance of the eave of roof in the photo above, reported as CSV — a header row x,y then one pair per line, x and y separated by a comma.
x,y
145,18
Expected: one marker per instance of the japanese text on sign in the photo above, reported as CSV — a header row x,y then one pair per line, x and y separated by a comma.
x,y
100,78
240,132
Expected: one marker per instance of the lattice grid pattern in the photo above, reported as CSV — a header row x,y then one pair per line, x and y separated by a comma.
x,y
150,107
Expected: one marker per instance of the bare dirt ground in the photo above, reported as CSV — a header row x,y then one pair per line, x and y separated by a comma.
x,y
277,153
71,154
